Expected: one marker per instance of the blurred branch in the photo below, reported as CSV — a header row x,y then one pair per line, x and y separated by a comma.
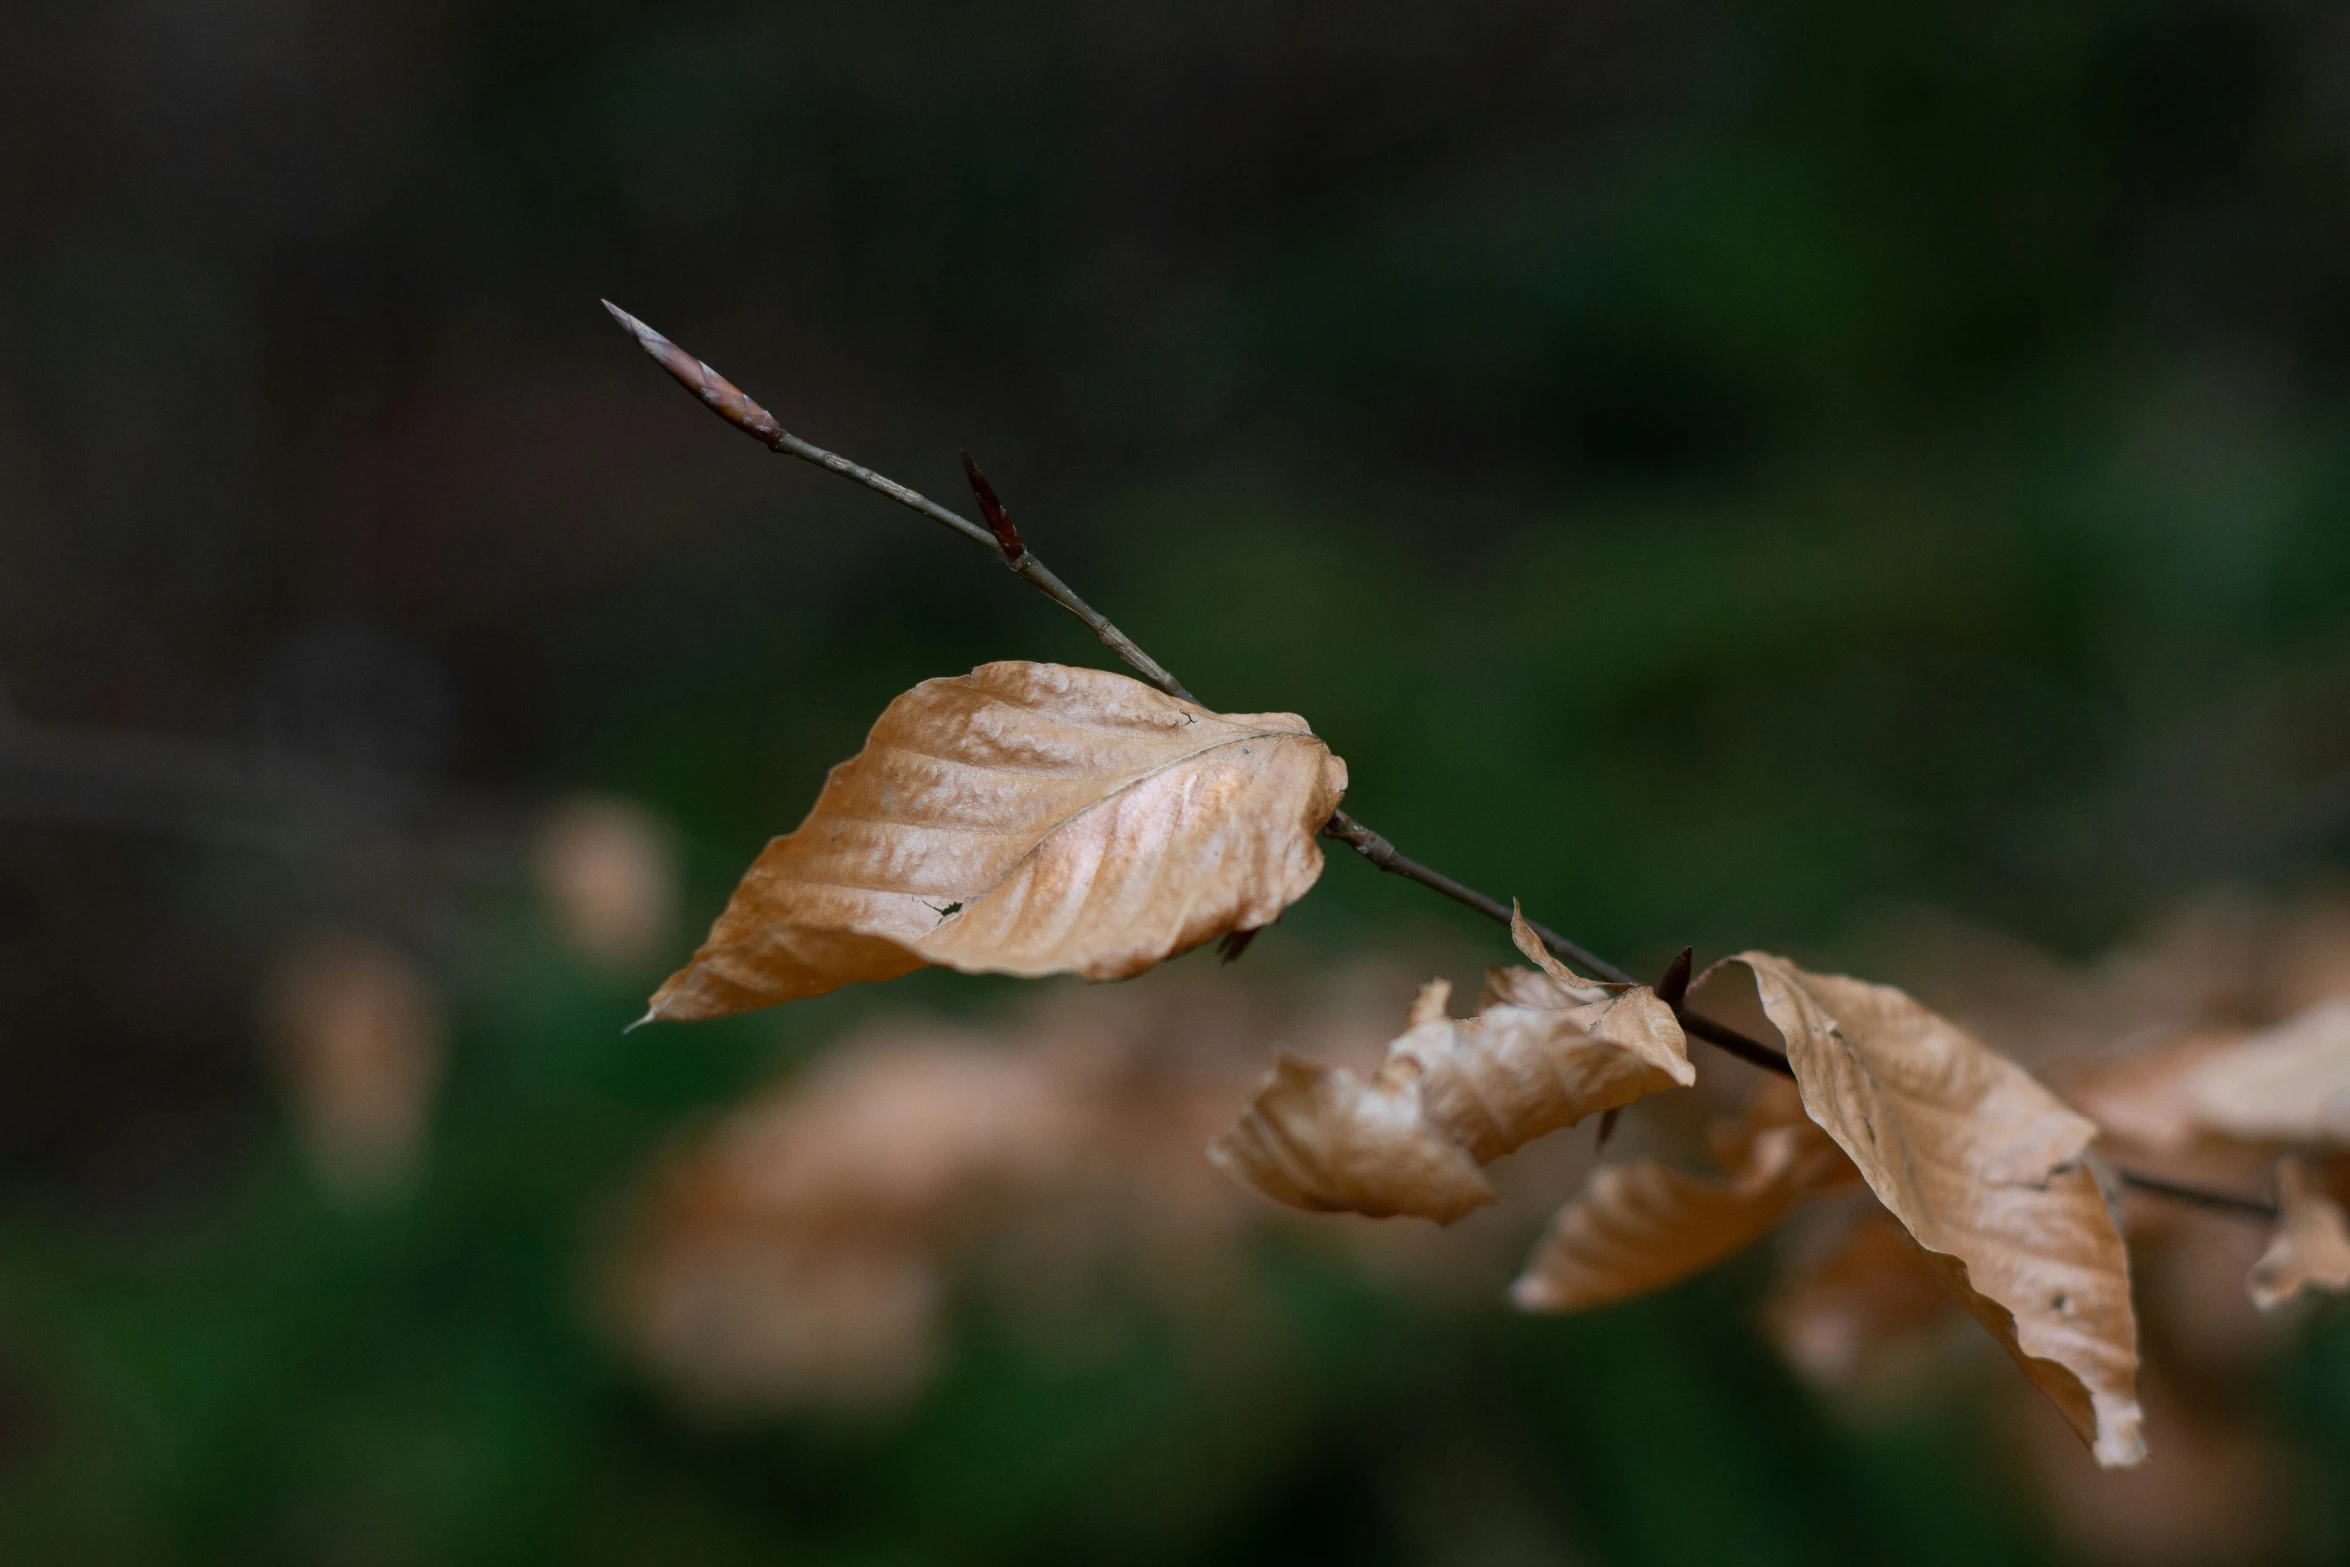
x,y
2201,1197
1003,542
145,783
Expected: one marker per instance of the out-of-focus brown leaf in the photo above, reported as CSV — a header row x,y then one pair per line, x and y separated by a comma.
x,y
2146,1118
607,873
2285,1084
1639,1226
355,1029
2142,1101
1983,1167
791,1255
2311,1246
1453,1094
1832,1318
807,1250
1024,819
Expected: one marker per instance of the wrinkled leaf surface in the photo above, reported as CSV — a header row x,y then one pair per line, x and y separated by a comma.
x,y
1024,819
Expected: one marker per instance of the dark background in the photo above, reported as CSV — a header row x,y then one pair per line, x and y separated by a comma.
x,y
1716,472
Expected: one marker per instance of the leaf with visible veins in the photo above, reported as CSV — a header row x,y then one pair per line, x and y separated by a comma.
x,y
1984,1167
1069,820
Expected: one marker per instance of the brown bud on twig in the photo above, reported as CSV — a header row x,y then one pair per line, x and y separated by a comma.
x,y
726,400
1675,984
993,510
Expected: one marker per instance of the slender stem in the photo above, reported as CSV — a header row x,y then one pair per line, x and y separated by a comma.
x,y
2201,1197
1387,857
1003,542
727,401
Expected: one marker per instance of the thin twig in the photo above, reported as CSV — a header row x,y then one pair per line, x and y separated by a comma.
x,y
728,402
2201,1197
1003,542
1388,858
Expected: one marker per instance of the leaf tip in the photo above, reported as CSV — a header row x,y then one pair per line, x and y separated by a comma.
x,y
2121,1435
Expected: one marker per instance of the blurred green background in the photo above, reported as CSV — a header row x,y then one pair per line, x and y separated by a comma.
x,y
1716,472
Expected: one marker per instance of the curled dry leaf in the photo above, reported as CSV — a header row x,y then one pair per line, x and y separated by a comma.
x,y
1640,1226
2311,1247
1024,819
2286,1084
1453,1094
1983,1167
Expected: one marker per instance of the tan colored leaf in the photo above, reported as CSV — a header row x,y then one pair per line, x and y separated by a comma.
x,y
1555,986
1983,1167
2144,1100
356,1029
2286,1084
2311,1247
2141,1101
1453,1094
1640,1226
1830,1319
1322,1138
1024,819
607,874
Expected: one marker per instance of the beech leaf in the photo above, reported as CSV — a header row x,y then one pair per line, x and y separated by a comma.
x,y
1454,1093
2311,1247
1982,1165
1832,1317
1024,819
1640,1226
2286,1084
1324,1139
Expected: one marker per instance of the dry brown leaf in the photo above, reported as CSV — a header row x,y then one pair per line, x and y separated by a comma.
x,y
355,1027
2311,1246
1324,1139
607,874
809,1248
1831,1319
1640,1226
1982,1165
2142,1101
1453,1094
792,1254
1024,819
2147,1120
2285,1084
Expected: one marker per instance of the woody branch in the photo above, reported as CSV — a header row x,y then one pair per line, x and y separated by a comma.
x,y
1002,540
